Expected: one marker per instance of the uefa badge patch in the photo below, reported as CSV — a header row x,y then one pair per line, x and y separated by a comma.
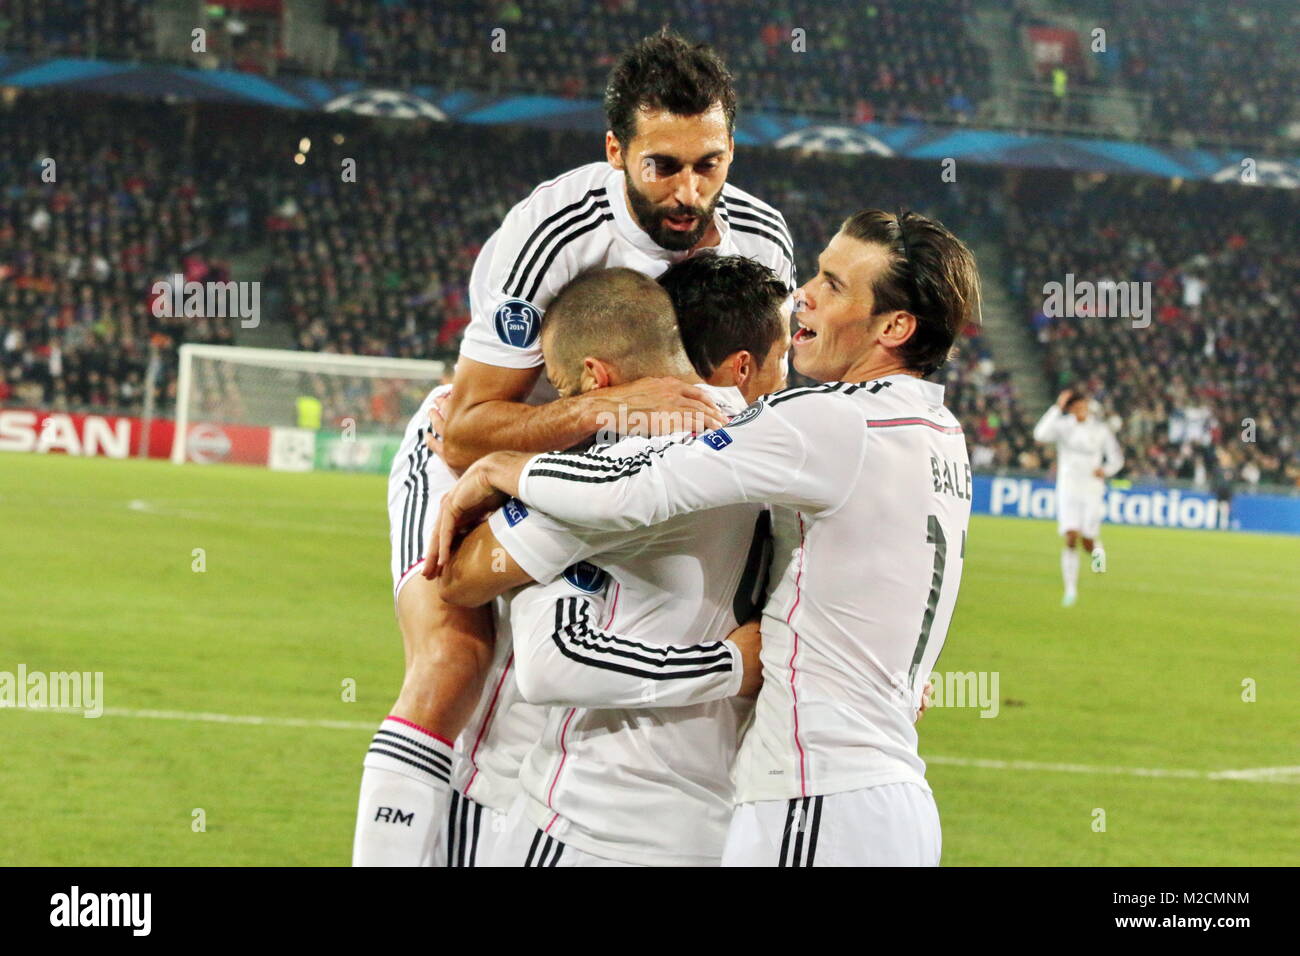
x,y
585,577
515,511
517,323
716,439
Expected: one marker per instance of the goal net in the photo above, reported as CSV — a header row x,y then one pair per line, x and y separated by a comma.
x,y
295,411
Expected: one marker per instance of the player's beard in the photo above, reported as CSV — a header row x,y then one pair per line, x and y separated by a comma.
x,y
650,217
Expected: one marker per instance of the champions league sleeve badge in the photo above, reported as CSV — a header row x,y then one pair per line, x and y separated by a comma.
x,y
585,577
517,323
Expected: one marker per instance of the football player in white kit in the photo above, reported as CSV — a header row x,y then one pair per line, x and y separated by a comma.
x,y
626,636
1087,453
869,486
660,195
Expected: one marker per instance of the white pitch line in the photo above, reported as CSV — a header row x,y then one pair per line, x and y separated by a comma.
x,y
1251,774
210,718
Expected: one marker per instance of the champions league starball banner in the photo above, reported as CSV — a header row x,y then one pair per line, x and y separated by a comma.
x,y
917,141
1157,506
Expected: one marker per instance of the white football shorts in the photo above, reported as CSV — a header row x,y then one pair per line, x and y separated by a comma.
x,y
416,484
893,824
1079,512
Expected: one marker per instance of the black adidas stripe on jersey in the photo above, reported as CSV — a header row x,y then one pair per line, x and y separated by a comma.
x,y
614,468
560,236
747,217
826,388
541,228
753,230
761,213
798,391
580,642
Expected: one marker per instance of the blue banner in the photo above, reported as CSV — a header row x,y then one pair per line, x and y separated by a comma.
x,y
1156,506
754,128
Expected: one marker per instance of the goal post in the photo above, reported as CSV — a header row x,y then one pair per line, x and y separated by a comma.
x,y
295,411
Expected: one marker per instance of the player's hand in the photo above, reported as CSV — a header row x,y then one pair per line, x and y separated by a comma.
x,y
749,640
927,700
654,406
1099,473
470,500
1063,398
437,425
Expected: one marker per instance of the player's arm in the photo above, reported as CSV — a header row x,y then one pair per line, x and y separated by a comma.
x,y
1112,455
1047,429
571,664
804,452
480,570
564,657
486,412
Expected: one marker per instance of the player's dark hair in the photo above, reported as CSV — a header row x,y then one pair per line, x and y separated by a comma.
x,y
932,275
666,72
725,304
617,315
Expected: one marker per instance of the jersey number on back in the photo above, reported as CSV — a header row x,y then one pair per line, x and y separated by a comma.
x,y
935,536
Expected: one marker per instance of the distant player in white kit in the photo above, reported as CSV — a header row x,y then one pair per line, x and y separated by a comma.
x,y
1086,455
869,486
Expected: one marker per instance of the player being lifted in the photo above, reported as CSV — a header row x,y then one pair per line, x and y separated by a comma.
x,y
869,486
625,635
660,195
1086,455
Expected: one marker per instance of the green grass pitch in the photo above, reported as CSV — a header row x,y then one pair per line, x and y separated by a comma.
x,y
97,559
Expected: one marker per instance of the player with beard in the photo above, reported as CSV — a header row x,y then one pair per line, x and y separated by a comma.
x,y
659,196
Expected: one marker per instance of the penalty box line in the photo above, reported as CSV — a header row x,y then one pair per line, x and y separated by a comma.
x,y
1284,775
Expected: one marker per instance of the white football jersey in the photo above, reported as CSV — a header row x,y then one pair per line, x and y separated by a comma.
x,y
573,223
624,637
1081,448
869,487
577,222
503,727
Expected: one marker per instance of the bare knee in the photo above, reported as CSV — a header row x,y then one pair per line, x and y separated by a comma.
x,y
1071,539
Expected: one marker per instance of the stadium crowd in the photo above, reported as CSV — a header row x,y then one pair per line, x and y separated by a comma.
x,y
380,265
886,59
94,210
1209,390
1227,72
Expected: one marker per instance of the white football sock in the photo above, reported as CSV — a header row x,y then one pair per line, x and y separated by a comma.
x,y
1070,569
405,792
1099,559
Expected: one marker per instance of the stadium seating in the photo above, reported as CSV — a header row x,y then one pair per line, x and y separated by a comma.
x,y
891,59
380,266
1221,350
1215,71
